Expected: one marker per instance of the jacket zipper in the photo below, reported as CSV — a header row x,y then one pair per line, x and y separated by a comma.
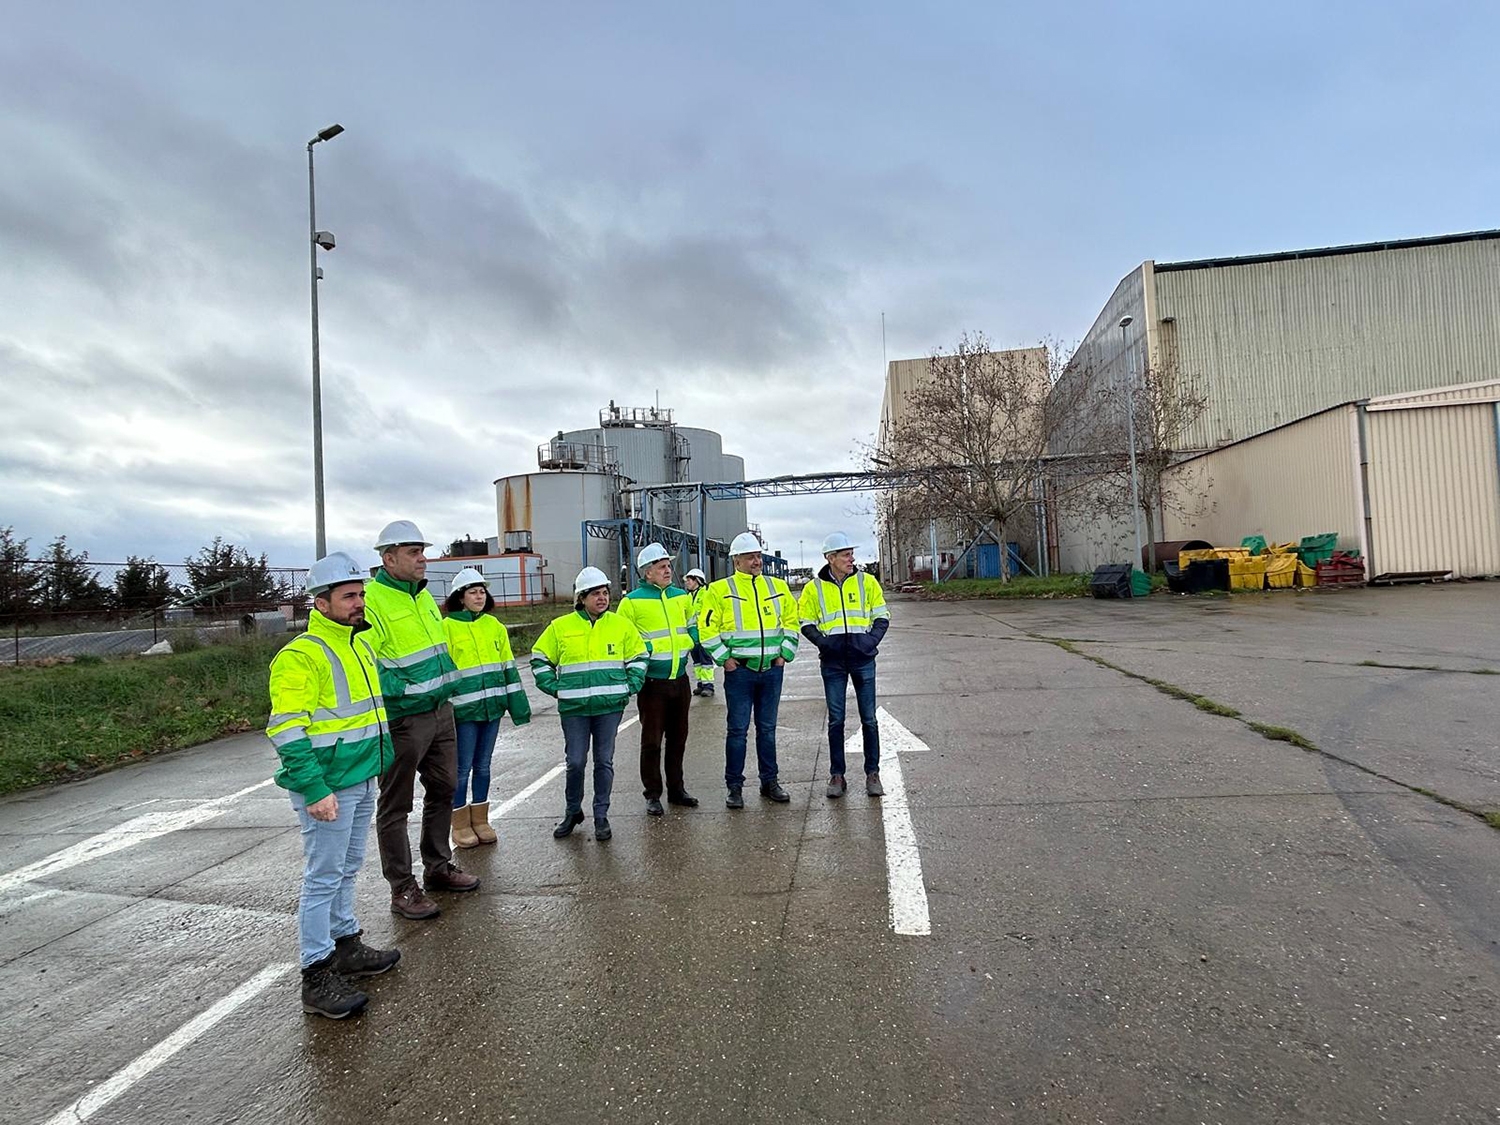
x,y
371,690
761,618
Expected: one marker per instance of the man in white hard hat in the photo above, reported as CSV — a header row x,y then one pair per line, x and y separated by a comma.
x,y
696,584
749,625
329,727
417,677
844,614
663,615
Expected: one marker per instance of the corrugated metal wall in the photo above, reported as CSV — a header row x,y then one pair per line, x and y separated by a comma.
x,y
1274,341
1435,490
1295,481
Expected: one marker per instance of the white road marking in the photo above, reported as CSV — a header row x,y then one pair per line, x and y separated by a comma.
x,y
903,862
537,785
132,832
34,896
123,1079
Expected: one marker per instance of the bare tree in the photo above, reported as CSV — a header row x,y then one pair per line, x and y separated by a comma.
x,y
1167,407
982,426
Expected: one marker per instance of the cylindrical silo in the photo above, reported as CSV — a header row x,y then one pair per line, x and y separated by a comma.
x,y
726,518
552,506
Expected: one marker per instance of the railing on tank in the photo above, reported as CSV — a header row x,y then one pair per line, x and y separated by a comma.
x,y
560,454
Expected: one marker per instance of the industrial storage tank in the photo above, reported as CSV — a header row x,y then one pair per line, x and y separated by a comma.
x,y
552,507
727,518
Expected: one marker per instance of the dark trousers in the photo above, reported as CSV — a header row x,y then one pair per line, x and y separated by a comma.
x,y
664,708
836,679
746,694
426,747
581,735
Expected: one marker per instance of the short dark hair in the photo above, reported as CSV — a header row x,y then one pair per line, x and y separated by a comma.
x,y
455,599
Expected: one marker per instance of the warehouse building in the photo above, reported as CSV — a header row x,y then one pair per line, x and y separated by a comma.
x,y
1411,481
588,475
1297,340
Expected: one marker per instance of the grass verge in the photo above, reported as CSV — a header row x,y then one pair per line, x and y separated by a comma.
x,y
1053,586
70,719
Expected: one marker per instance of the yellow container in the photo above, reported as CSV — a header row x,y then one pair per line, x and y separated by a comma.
x,y
1306,575
1232,553
1281,571
1185,557
1248,572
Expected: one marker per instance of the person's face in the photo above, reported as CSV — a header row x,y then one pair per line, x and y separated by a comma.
x,y
475,598
692,585
659,573
841,563
750,563
344,604
405,562
596,601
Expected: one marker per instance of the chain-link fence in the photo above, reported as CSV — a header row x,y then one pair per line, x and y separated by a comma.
x,y
76,607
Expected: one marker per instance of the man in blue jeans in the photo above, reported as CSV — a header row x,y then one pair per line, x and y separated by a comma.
x,y
748,623
844,614
328,725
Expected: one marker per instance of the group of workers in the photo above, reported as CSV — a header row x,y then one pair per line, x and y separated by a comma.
x,y
383,689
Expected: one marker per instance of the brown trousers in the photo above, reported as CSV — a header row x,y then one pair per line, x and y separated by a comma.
x,y
664,711
426,747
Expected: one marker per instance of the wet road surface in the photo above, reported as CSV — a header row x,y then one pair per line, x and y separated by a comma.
x,y
1139,910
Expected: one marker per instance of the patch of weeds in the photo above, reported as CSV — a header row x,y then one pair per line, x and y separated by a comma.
x,y
1429,668
1492,818
88,658
1280,734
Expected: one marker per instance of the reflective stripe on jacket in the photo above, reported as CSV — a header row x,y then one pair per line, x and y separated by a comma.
x,y
411,647
664,619
749,618
487,683
328,722
837,608
593,667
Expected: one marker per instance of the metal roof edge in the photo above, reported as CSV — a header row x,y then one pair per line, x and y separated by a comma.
x,y
1413,400
1330,251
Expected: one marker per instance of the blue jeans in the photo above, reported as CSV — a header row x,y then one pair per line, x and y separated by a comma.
x,y
476,745
836,679
578,732
333,851
747,692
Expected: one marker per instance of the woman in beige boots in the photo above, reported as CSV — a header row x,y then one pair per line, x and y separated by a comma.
x,y
489,686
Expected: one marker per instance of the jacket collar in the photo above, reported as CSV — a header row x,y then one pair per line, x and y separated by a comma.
x,y
330,630
412,588
463,615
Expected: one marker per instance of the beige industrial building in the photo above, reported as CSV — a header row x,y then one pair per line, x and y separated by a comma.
x,y
905,532
1411,481
1282,340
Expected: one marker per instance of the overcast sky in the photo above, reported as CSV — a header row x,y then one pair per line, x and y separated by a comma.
x,y
540,207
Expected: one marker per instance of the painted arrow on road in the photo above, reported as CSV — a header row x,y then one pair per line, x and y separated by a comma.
x,y
903,862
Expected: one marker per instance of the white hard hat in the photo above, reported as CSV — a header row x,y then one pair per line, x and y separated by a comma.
x,y
837,541
696,573
589,578
333,570
745,544
650,553
467,577
398,532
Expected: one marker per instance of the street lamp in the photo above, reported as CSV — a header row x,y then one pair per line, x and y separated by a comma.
x,y
1135,487
315,239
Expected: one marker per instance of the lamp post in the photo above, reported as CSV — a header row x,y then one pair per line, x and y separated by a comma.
x,y
316,238
1135,486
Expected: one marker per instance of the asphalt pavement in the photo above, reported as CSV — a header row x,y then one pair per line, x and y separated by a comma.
x,y
1137,909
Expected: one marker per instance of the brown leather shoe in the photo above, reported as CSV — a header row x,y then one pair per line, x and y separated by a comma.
x,y
450,878
410,902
